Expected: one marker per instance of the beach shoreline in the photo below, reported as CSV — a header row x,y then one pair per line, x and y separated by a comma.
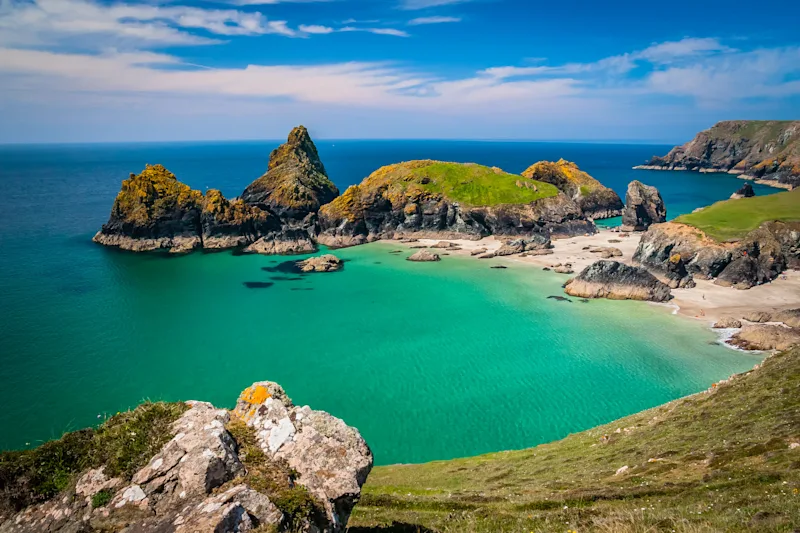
x,y
706,302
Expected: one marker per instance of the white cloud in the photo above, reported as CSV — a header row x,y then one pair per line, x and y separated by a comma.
x,y
85,22
377,31
688,47
432,20
315,29
423,4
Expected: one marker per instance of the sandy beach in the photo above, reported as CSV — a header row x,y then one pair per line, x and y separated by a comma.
x,y
706,302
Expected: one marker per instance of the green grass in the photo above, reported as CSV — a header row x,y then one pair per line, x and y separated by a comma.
x,y
478,185
715,461
123,443
732,219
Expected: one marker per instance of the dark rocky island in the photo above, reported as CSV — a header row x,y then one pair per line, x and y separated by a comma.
x,y
767,151
275,215
448,200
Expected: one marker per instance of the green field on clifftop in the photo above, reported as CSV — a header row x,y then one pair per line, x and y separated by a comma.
x,y
732,219
482,186
715,461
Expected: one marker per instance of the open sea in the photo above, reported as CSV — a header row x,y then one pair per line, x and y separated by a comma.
x,y
429,361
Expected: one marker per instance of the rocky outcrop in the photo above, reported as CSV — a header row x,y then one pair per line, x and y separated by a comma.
x,y
767,151
745,191
757,258
765,337
643,207
727,323
322,263
594,199
534,243
423,256
276,214
428,199
617,281
267,466
296,183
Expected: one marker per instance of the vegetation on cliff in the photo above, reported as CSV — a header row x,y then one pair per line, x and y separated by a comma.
x,y
296,182
764,149
733,219
722,460
595,199
123,444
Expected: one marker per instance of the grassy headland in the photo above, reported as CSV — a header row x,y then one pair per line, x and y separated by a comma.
x,y
732,219
716,461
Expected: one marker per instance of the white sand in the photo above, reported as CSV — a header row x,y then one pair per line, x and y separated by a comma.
x,y
706,302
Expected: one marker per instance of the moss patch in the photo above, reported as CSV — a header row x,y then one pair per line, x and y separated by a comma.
x,y
731,219
123,443
272,478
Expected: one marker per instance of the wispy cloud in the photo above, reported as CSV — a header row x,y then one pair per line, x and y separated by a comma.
x,y
424,4
378,31
432,20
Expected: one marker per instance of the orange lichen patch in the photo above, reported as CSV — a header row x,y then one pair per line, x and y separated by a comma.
x,y
675,259
563,174
255,394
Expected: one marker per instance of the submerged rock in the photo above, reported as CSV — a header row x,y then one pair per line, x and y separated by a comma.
x,y
617,281
423,256
322,263
643,207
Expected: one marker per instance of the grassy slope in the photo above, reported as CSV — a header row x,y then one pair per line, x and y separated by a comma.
x,y
735,218
716,461
481,186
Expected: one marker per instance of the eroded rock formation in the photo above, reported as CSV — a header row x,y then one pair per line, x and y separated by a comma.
x,y
643,207
617,281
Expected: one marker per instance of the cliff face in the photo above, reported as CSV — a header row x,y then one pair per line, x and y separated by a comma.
x,y
757,258
762,150
268,465
276,214
295,183
447,200
595,200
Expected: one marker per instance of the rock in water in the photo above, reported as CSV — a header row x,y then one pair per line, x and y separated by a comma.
x,y
267,466
295,183
594,199
643,206
617,281
746,191
423,256
322,263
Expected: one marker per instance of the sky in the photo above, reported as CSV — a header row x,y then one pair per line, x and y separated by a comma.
x,y
161,70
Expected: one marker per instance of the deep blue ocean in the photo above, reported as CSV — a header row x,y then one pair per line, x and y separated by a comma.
x,y
428,361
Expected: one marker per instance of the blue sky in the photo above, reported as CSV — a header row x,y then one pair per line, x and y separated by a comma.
x,y
138,70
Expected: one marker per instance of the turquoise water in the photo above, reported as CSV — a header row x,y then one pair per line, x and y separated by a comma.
x,y
429,361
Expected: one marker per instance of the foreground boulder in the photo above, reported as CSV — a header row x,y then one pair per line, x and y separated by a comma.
x,y
643,207
594,199
266,466
617,281
745,191
441,200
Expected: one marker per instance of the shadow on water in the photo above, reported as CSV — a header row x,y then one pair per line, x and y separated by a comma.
x,y
286,267
258,284
285,278
395,527
302,289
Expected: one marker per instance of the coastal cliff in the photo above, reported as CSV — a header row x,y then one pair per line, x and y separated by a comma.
x,y
447,200
275,215
595,200
766,151
265,466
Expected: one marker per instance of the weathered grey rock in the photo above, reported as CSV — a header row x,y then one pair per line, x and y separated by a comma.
x,y
643,207
330,457
617,281
727,322
758,316
445,245
606,252
322,263
423,256
564,269
290,242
